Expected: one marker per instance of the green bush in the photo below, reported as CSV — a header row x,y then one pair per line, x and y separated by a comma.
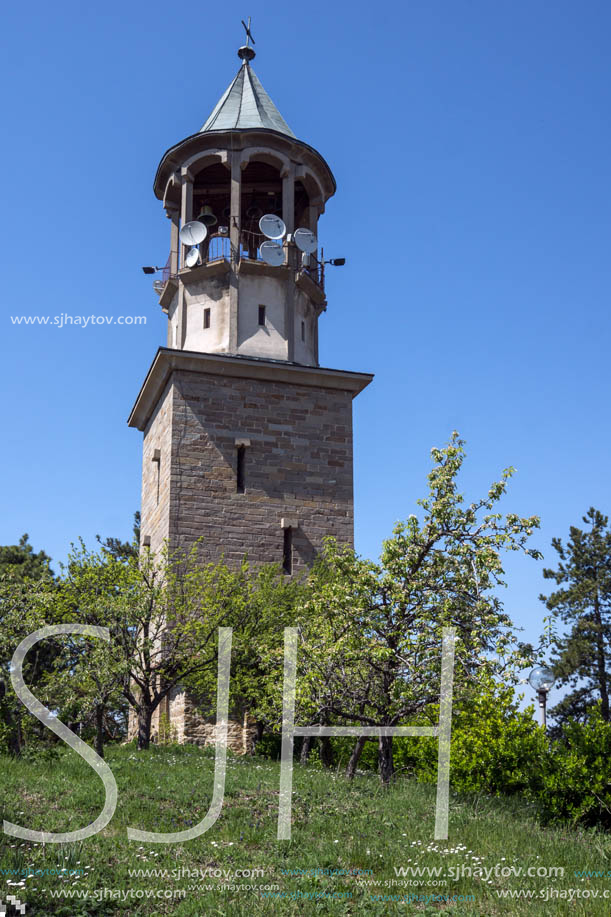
x,y
496,748
499,750
576,774
269,746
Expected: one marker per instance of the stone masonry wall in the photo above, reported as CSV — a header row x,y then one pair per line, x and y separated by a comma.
x,y
298,466
156,474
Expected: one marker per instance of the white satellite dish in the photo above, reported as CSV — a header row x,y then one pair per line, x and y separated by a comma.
x,y
193,233
272,226
272,253
192,257
306,241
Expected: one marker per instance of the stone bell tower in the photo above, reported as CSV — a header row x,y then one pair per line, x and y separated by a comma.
x,y
247,440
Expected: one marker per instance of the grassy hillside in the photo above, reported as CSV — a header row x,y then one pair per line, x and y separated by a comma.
x,y
349,843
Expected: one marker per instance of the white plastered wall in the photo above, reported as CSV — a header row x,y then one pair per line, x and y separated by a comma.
x,y
200,297
253,339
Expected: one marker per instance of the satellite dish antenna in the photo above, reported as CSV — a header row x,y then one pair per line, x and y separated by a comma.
x,y
192,257
306,241
272,226
193,233
272,253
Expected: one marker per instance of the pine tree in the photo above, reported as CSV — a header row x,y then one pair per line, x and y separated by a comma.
x,y
582,657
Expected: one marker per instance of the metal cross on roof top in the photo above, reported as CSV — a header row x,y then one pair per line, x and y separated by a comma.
x,y
248,32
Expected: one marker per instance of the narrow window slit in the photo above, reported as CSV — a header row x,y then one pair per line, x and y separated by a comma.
x,y
241,461
206,318
261,315
157,462
287,552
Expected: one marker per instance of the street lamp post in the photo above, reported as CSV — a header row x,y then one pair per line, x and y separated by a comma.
x,y
542,680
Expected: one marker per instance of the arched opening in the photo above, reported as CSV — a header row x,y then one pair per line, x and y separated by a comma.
x,y
302,208
306,215
261,193
211,205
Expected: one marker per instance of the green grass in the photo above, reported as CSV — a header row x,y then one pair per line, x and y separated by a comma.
x,y
336,825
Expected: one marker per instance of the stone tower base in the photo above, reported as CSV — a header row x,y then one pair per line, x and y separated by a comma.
x,y
178,719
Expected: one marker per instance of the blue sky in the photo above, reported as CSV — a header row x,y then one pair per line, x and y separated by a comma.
x,y
471,146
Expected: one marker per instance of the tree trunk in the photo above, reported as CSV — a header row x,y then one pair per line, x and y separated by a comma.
x,y
355,757
600,662
15,736
144,728
326,751
99,730
14,741
305,750
385,759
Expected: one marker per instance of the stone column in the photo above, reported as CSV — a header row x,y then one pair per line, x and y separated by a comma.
x,y
186,213
186,209
235,207
173,214
288,215
235,224
288,198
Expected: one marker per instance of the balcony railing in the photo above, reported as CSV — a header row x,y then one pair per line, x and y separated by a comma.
x,y
218,248
213,248
250,243
249,248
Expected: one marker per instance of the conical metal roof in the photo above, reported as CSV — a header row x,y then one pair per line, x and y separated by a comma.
x,y
245,105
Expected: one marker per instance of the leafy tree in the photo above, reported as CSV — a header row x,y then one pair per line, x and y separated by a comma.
x,y
86,688
25,606
163,614
21,563
269,601
26,582
371,633
87,682
582,657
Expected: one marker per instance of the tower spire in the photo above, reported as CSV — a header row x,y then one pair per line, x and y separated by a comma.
x,y
246,53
